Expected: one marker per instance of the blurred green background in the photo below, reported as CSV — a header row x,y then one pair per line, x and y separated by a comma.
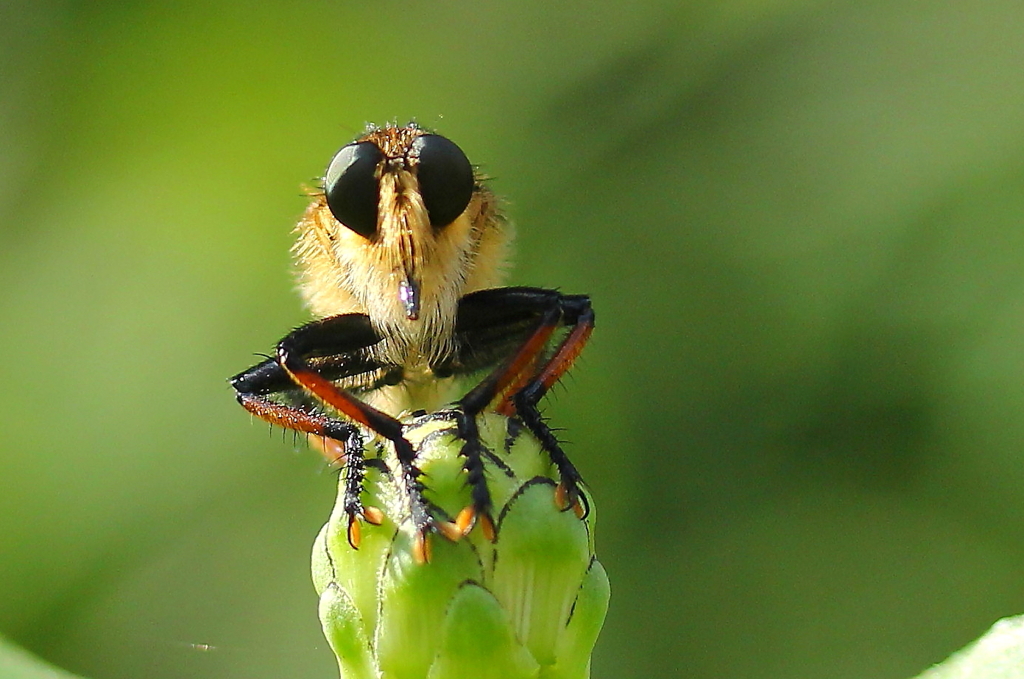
x,y
801,224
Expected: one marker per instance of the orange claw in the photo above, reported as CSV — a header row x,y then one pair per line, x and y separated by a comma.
x,y
355,535
421,548
373,515
487,526
562,497
466,519
578,509
450,530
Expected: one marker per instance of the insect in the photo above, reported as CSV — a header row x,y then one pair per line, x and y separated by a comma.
x,y
399,258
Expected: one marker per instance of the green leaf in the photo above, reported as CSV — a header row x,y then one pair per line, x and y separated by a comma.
x,y
580,635
999,654
413,599
17,663
479,641
544,554
346,633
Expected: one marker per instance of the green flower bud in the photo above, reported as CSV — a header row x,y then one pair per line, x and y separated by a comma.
x,y
528,605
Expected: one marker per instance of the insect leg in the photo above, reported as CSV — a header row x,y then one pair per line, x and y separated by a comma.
x,y
336,346
353,472
526,399
292,352
527,391
348,435
530,316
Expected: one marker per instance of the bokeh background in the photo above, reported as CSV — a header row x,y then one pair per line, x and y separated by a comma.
x,y
801,224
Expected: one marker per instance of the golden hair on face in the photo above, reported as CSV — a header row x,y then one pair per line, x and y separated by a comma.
x,y
404,228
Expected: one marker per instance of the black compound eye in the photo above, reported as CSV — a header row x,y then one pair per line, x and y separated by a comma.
x,y
445,176
352,189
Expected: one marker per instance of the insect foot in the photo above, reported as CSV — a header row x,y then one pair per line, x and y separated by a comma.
x,y
523,596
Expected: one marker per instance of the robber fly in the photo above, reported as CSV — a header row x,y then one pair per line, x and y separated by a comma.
x,y
400,256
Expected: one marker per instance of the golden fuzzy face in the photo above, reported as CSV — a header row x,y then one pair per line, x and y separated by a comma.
x,y
403,229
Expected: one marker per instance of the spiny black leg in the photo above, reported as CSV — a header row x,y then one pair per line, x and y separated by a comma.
x,y
528,397
474,402
310,358
484,393
291,359
531,315
569,477
345,434
353,472
472,453
410,479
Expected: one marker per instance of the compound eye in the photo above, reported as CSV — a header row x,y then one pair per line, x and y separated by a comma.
x,y
445,176
353,192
